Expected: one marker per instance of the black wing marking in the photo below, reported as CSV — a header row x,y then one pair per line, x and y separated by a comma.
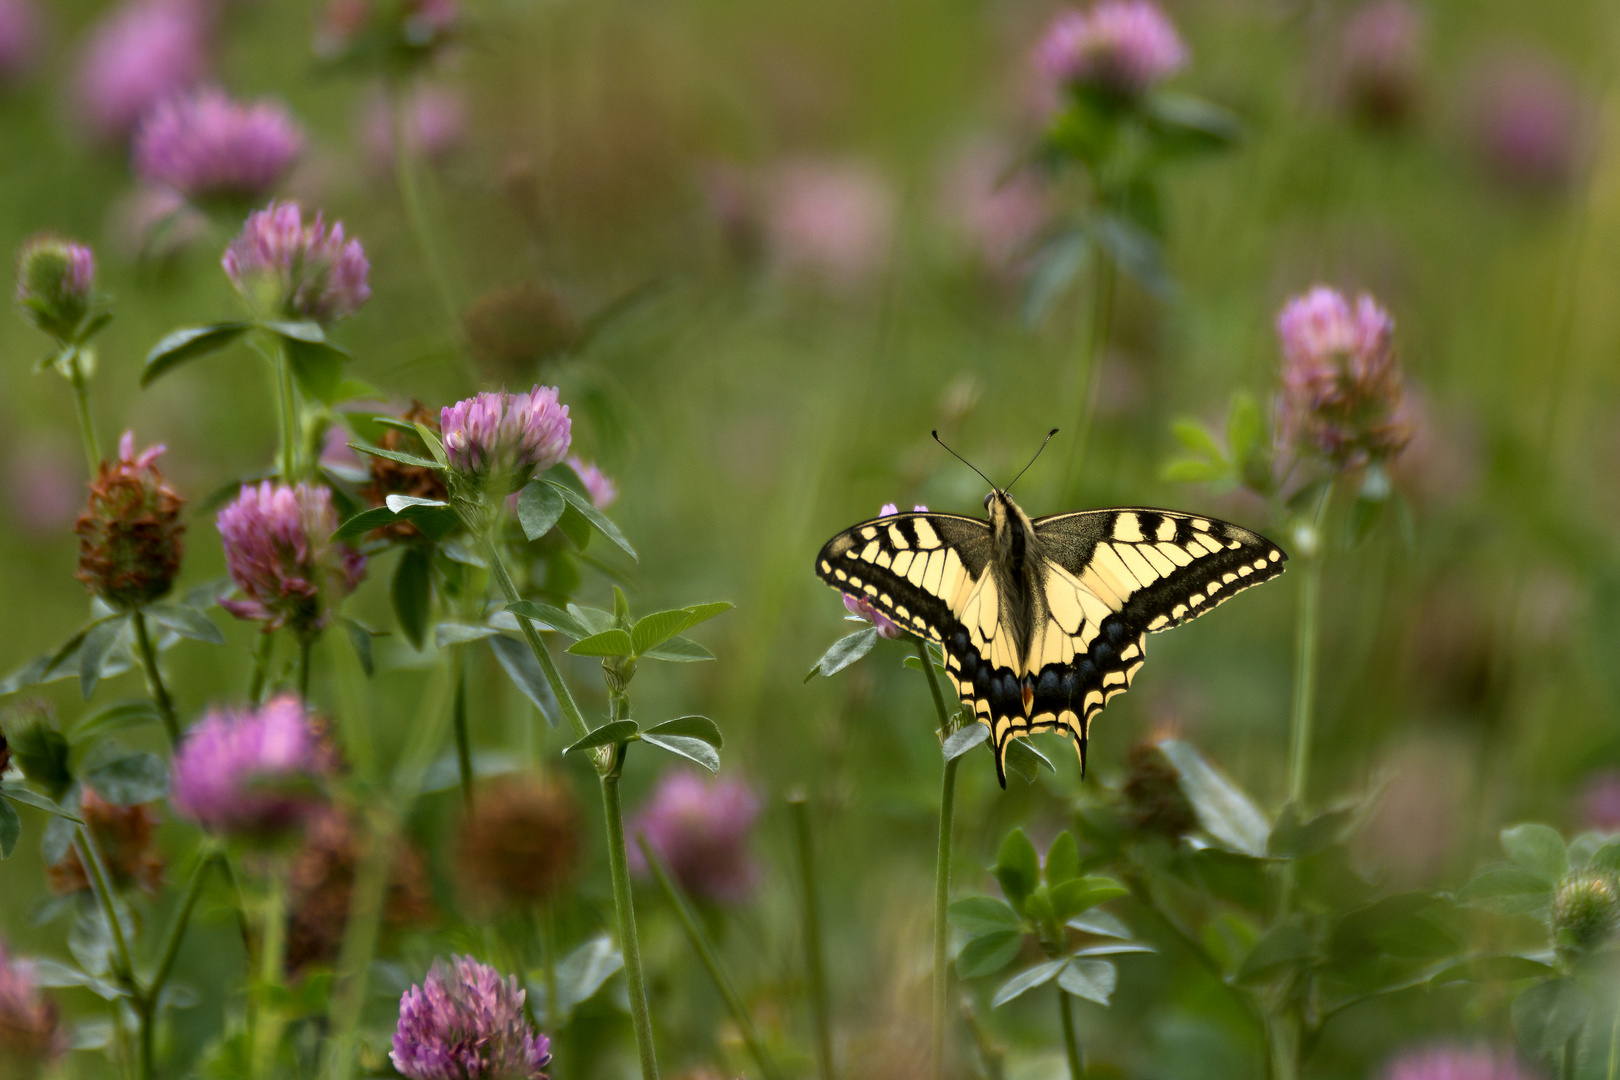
x,y
911,567
1111,578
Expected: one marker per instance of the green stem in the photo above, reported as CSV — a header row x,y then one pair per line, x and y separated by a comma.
x,y
272,958
154,678
145,1015
366,905
101,882
410,196
262,653
458,716
548,935
287,406
87,425
1102,308
1571,1056
1071,1043
942,872
711,962
1283,1044
503,581
629,946
1305,641
177,930
305,642
814,961
1614,1044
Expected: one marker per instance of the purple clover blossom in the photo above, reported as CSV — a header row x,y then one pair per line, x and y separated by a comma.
x,y
1457,1063
1381,59
279,552
141,53
21,28
1529,125
829,221
31,1036
206,146
598,484
699,829
435,123
1125,47
510,436
56,280
283,267
226,773
465,1022
862,607
1341,382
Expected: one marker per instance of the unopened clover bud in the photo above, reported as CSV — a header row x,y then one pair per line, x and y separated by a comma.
x,y
56,280
1586,910
130,530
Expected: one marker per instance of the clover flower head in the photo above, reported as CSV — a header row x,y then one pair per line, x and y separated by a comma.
x,y
31,1034
130,531
320,886
279,552
1381,59
1586,910
700,829
506,436
520,845
127,837
246,772
1341,382
597,483
465,1022
1529,123
56,280
1457,1063
206,146
287,269
140,53
434,121
829,221
1123,47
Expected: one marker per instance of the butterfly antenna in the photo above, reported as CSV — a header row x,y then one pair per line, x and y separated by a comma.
x,y
962,459
1025,469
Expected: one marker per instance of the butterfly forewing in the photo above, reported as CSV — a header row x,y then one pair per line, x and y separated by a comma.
x,y
1047,648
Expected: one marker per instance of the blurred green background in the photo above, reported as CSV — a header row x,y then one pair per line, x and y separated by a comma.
x,y
748,410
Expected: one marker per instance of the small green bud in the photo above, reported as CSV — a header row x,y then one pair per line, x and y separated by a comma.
x,y
55,282
1585,910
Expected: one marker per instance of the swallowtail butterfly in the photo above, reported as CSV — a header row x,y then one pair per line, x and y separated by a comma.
x,y
1044,621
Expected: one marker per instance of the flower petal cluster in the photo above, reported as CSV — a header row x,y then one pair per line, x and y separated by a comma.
x,y
1457,1063
860,605
700,829
1530,126
130,530
248,772
1341,382
207,147
31,1035
600,485
465,1022
1123,47
141,53
56,282
279,552
287,269
506,436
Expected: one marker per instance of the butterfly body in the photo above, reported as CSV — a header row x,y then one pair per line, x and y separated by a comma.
x,y
1044,621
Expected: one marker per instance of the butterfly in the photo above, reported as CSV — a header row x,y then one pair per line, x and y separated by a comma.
x,y
1044,621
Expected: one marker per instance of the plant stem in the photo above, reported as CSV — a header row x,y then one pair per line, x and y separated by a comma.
x,y
548,935
814,963
305,642
1071,1043
261,666
458,716
145,1014
1305,640
1102,308
1571,1055
629,946
87,425
272,956
503,581
177,930
287,406
711,962
366,905
154,678
90,855
410,196
942,872
1282,1040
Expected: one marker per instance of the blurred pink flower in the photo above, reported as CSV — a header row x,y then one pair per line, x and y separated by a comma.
x,y
1124,47
998,209
1381,59
151,224
1458,1063
138,54
206,146
22,30
699,829
1598,804
32,1035
1529,122
250,772
46,488
829,220
283,267
435,125
600,485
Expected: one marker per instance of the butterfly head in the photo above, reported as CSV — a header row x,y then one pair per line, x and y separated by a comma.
x,y
1010,525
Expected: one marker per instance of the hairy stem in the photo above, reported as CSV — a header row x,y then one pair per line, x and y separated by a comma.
x,y
87,424
154,678
629,945
711,962
1071,1042
815,965
942,872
